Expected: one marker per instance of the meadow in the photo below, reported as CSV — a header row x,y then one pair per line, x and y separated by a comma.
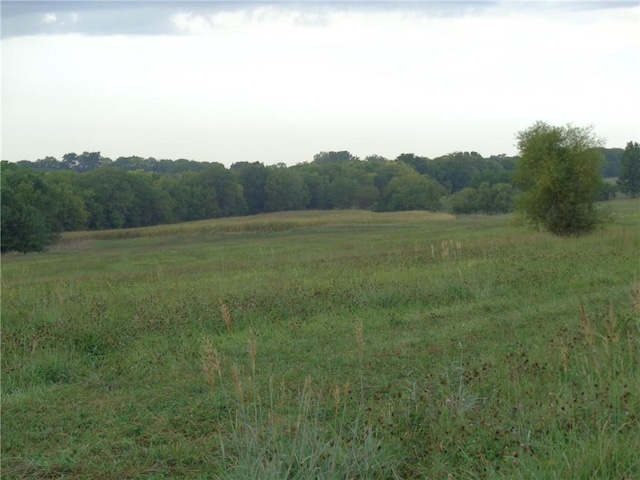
x,y
325,345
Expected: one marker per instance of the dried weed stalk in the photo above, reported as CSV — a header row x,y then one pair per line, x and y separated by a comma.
x,y
210,363
253,350
360,338
586,325
226,315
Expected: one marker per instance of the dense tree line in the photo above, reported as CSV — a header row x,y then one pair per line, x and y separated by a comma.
x,y
89,191
629,178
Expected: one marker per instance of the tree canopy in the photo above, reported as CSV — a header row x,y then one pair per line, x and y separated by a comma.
x,y
629,180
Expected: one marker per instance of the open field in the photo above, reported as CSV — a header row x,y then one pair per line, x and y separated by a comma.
x,y
325,345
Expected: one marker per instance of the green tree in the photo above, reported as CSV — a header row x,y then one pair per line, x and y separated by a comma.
x,y
612,160
629,179
342,192
334,157
85,162
109,197
190,198
69,160
151,205
286,189
422,165
89,161
559,174
607,191
366,197
318,187
229,193
132,163
455,170
24,228
503,198
67,209
496,198
46,163
25,224
411,192
198,199
386,171
253,178
466,200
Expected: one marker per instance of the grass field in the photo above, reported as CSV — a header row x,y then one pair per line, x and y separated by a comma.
x,y
328,345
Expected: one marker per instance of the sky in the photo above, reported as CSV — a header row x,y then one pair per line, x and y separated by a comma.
x,y
278,82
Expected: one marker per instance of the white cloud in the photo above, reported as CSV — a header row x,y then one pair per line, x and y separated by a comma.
x,y
54,18
49,18
265,18
190,23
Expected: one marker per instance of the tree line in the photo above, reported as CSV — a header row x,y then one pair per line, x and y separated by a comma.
x,y
88,191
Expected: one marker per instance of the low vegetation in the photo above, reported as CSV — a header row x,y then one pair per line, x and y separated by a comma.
x,y
345,344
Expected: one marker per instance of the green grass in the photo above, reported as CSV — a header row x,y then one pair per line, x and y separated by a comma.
x,y
325,345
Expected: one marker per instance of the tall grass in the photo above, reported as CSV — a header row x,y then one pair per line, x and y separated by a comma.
x,y
262,223
269,436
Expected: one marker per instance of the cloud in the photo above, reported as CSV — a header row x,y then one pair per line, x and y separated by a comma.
x,y
49,18
91,18
60,20
263,17
23,17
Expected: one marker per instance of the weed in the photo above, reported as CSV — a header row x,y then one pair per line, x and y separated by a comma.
x,y
226,316
210,363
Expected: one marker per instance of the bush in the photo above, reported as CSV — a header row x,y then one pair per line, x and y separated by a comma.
x,y
559,173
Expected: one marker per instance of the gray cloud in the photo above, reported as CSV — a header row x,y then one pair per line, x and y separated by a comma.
x,y
23,17
148,17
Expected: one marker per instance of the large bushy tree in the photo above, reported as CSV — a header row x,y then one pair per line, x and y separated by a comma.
x,y
629,179
26,225
559,173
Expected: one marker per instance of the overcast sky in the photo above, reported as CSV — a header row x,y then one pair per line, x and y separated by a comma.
x,y
279,82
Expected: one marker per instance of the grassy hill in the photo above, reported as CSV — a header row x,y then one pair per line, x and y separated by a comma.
x,y
325,345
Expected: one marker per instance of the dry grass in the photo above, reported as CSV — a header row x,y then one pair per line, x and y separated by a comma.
x,y
226,316
72,244
266,222
586,325
253,349
360,337
210,363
